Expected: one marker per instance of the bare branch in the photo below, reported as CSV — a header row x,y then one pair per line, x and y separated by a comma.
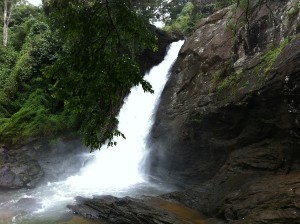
x,y
112,22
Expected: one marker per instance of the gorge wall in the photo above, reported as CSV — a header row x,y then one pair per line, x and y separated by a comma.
x,y
228,124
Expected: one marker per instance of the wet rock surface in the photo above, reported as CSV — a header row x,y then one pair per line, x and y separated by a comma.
x,y
152,210
121,210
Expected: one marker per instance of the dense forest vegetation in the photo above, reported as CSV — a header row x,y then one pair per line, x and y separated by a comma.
x,y
67,65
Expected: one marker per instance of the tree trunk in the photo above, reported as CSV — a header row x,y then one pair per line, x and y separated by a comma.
x,y
7,13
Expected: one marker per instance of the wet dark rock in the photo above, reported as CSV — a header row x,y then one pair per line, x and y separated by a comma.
x,y
261,202
122,210
150,210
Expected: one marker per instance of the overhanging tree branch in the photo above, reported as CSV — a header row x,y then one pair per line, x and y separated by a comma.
x,y
112,22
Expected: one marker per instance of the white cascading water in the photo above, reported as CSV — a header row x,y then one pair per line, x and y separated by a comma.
x,y
119,167
115,170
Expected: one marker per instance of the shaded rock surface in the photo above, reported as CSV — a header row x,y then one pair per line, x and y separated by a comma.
x,y
18,170
149,58
246,198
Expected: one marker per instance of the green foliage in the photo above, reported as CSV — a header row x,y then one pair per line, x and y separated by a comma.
x,y
268,58
230,81
23,12
22,22
89,62
7,61
242,4
97,66
185,21
33,119
161,10
27,108
219,4
294,10
37,52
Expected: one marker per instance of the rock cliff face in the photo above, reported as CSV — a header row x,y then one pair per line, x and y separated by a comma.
x,y
229,117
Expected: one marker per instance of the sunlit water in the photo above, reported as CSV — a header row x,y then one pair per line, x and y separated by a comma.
x,y
116,171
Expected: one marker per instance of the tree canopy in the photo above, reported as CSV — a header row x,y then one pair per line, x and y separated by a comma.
x,y
97,64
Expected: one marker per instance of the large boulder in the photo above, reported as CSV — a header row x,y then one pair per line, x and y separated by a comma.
x,y
18,170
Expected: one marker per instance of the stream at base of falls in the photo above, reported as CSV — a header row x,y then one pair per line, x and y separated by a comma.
x,y
116,171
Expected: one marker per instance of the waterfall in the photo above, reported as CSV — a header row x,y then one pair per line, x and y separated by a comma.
x,y
115,170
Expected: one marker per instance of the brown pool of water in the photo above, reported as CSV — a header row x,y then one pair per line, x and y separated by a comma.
x,y
187,215
6,218
80,220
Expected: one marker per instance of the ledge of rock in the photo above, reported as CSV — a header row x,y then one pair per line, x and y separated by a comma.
x,y
150,210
